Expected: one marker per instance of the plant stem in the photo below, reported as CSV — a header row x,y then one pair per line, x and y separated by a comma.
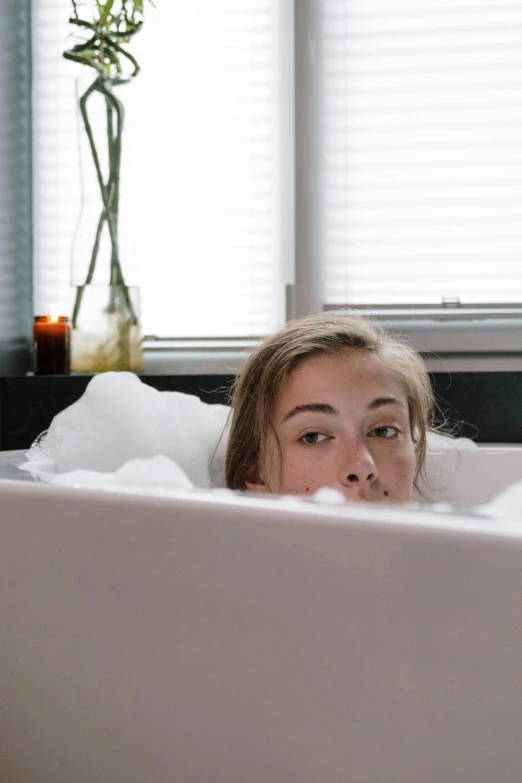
x,y
90,272
115,145
109,192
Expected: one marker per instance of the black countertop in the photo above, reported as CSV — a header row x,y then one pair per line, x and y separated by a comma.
x,y
485,406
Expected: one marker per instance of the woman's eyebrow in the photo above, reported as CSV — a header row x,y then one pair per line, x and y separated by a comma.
x,y
314,407
378,402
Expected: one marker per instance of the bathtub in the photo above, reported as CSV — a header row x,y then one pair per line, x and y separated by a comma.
x,y
202,638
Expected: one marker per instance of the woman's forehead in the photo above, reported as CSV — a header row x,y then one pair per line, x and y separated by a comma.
x,y
351,370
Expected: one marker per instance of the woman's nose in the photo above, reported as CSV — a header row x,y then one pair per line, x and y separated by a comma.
x,y
359,469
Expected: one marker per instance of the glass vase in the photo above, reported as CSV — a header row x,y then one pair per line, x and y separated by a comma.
x,y
106,336
106,312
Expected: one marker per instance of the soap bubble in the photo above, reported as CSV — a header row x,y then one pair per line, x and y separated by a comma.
x,y
327,496
38,441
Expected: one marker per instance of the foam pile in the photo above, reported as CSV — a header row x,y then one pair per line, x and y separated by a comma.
x,y
119,418
139,476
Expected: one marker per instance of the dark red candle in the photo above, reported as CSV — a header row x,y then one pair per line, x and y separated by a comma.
x,y
52,339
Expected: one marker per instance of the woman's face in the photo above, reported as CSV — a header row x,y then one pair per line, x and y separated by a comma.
x,y
342,421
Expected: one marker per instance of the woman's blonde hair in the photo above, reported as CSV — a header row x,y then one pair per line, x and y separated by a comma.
x,y
271,363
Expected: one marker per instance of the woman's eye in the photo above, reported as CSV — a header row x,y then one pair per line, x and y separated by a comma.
x,y
312,437
384,432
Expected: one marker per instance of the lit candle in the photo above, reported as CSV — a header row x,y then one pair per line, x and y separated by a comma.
x,y
52,336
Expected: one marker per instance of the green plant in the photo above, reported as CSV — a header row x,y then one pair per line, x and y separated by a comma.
x,y
109,26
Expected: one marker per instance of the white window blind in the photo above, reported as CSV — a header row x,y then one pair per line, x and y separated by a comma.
x,y
15,246
201,170
422,151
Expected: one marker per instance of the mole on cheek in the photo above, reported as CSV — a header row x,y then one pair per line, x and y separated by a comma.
x,y
385,493
306,489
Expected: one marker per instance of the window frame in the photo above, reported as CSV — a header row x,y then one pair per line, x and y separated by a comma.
x,y
16,348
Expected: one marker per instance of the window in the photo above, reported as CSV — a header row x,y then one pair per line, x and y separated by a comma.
x,y
422,152
202,166
399,140
409,166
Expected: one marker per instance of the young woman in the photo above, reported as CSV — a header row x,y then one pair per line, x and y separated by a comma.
x,y
330,400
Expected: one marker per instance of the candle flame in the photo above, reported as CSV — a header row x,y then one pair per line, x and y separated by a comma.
x,y
54,315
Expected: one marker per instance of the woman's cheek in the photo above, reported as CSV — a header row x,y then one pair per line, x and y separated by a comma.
x,y
401,478
300,471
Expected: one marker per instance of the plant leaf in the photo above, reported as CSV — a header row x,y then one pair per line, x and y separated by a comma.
x,y
107,8
116,24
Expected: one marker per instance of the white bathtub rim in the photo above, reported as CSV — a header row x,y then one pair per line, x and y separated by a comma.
x,y
290,510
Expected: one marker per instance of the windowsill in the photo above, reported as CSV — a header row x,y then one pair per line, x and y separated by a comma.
x,y
491,345
193,357
196,362
474,362
463,336
230,362
466,345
